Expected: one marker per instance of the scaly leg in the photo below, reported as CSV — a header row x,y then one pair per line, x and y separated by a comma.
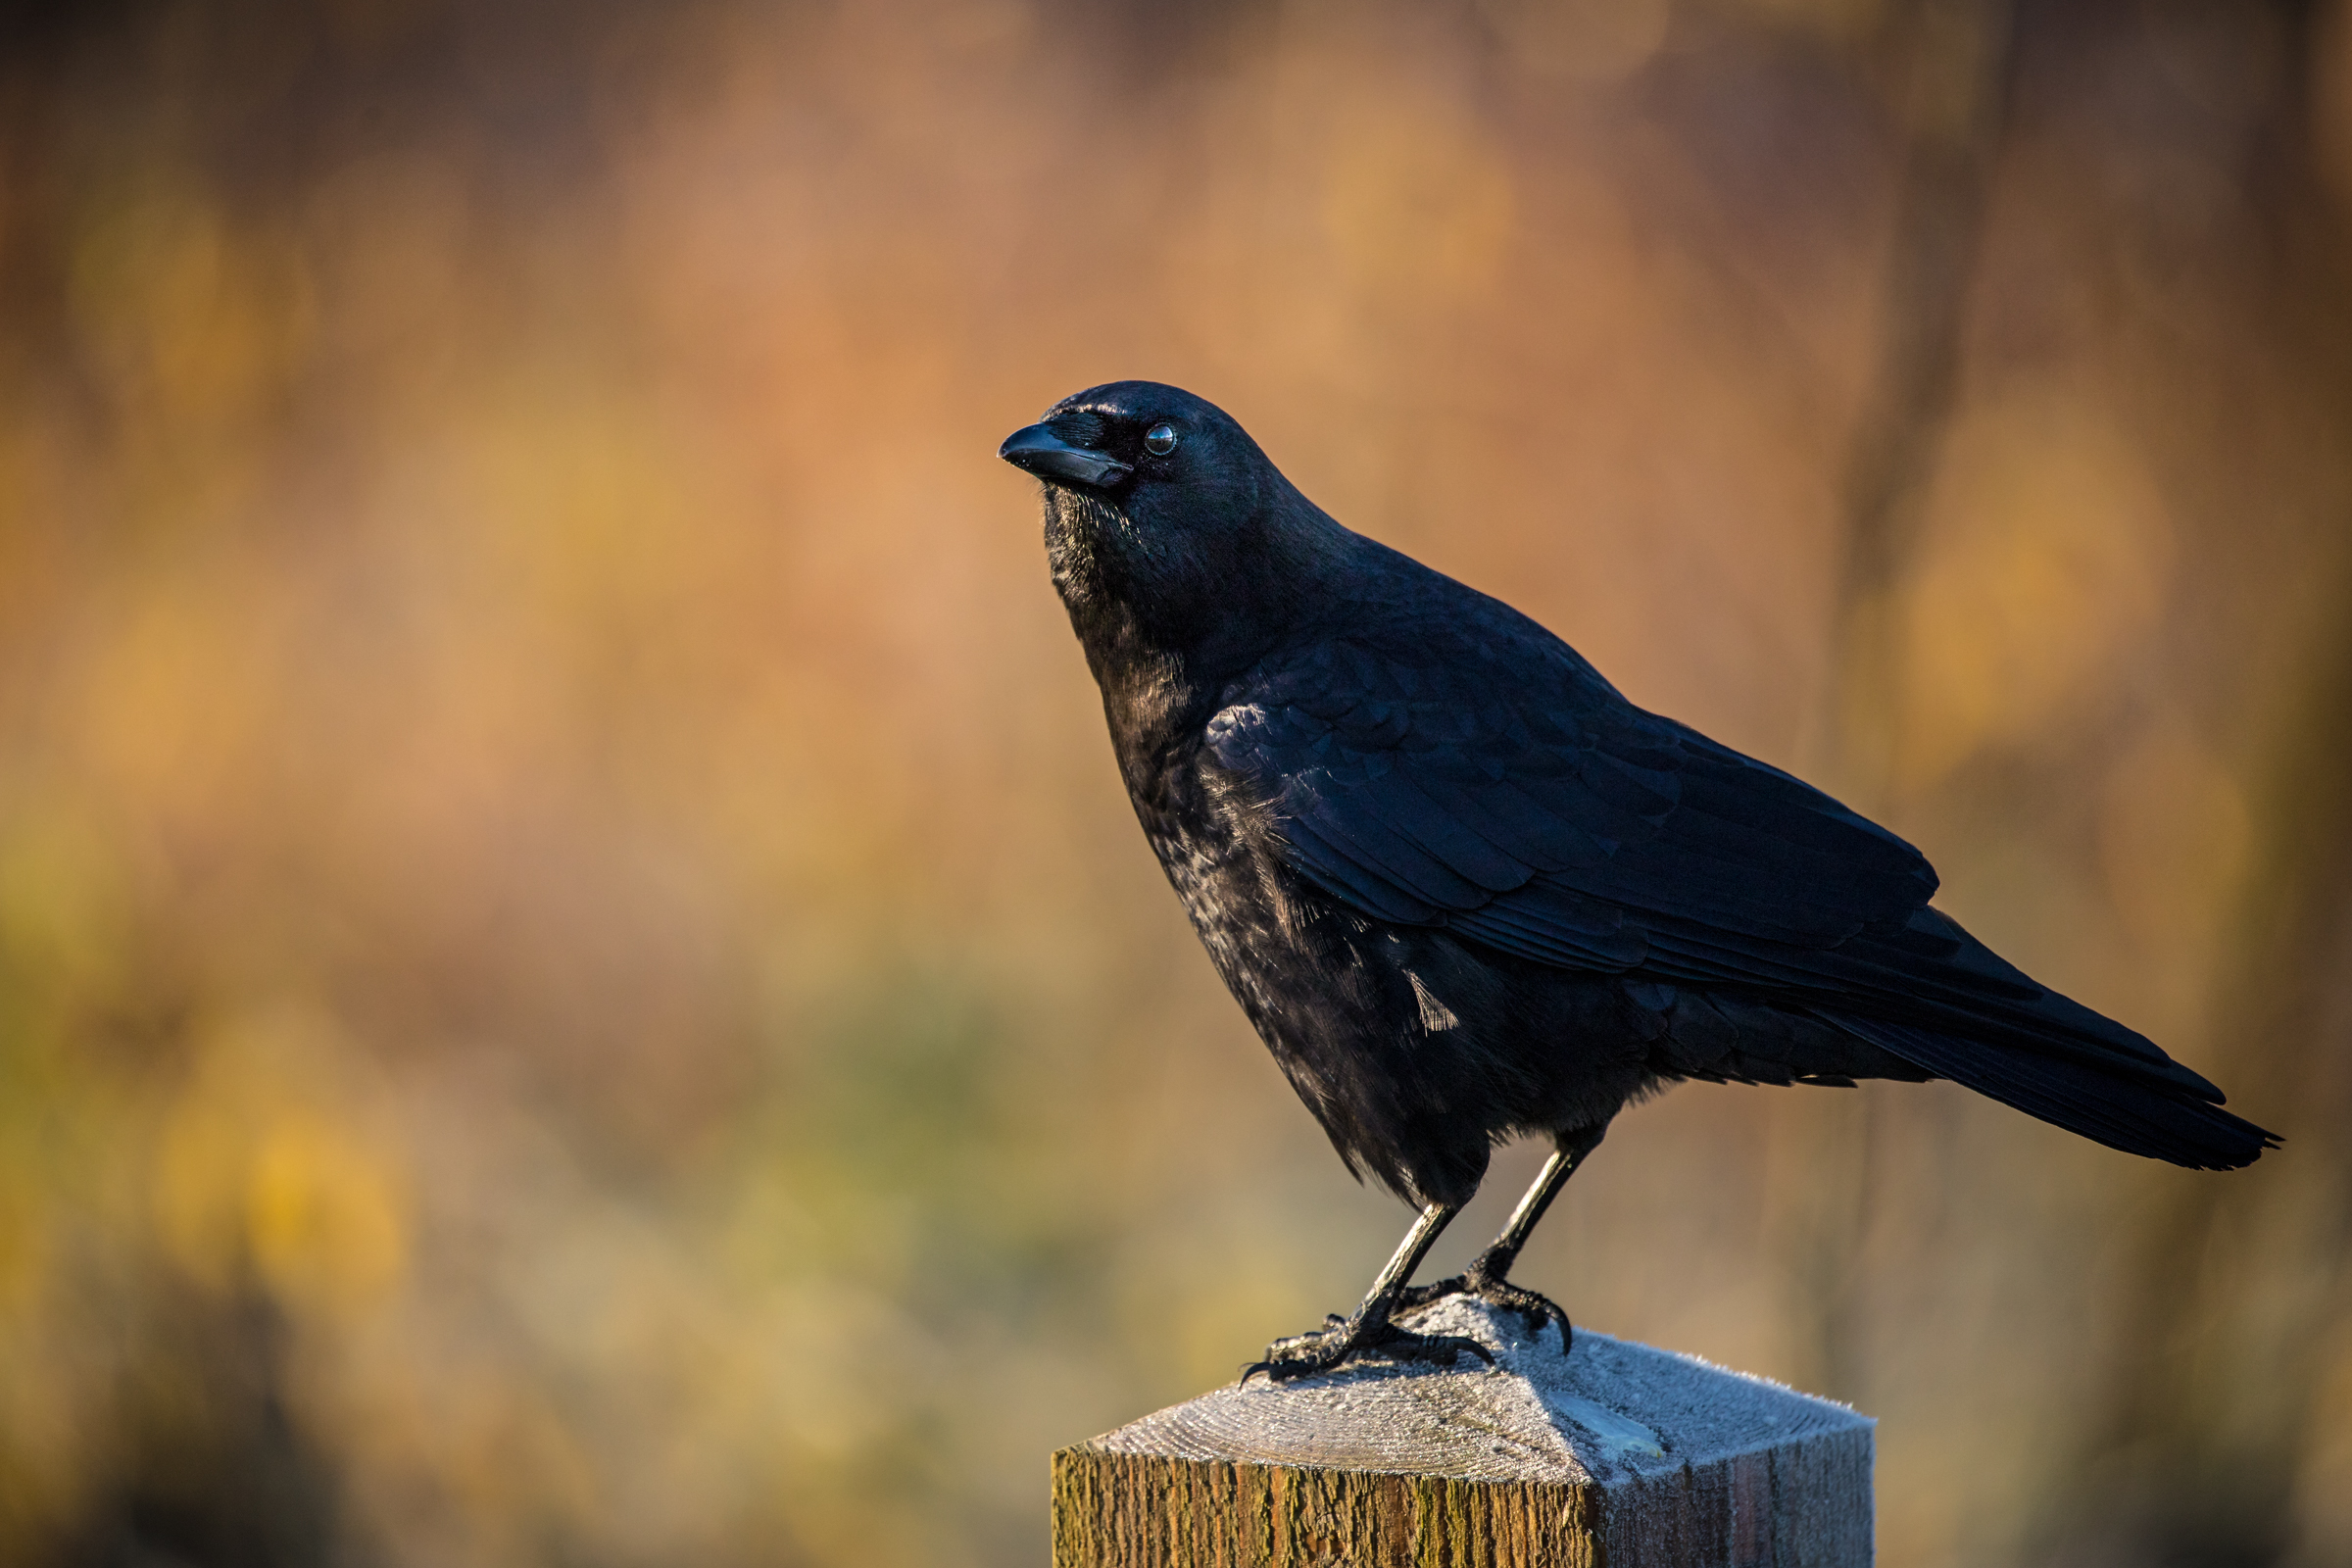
x,y
1370,1330
1485,1277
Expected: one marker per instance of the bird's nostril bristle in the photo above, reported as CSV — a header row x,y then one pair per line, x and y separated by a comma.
x,y
1079,428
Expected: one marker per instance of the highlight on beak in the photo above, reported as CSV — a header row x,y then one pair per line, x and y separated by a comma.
x,y
1047,456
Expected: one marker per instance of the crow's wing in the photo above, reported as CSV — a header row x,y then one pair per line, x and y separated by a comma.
x,y
1482,776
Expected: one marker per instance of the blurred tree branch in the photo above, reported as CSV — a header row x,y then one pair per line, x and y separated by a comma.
x,y
1951,69
1949,65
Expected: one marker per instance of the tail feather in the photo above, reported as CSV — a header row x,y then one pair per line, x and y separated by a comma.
x,y
1930,970
2125,1108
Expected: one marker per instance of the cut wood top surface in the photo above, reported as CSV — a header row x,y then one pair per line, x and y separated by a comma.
x,y
1610,1412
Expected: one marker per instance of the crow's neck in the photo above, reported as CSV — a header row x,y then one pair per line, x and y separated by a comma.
x,y
1156,694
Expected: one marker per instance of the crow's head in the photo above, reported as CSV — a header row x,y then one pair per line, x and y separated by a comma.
x,y
1160,505
1129,434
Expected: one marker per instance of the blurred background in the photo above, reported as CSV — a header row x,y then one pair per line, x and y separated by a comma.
x,y
576,983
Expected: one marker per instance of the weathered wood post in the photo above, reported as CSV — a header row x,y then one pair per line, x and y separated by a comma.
x,y
1615,1456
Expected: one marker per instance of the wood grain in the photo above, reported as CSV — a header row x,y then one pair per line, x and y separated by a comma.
x,y
1126,1510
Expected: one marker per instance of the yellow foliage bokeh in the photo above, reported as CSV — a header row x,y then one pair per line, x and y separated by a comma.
x,y
255,1176
2047,558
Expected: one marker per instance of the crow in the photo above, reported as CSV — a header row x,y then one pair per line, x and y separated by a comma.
x,y
1466,892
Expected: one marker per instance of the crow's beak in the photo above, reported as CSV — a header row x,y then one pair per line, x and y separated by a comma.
x,y
1049,457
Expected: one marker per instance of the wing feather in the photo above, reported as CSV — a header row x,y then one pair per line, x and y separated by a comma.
x,y
1495,784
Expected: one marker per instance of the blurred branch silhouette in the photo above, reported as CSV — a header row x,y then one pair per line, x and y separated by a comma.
x,y
1950,65
1947,69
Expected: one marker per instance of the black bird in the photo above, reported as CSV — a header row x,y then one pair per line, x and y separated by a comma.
x,y
1467,892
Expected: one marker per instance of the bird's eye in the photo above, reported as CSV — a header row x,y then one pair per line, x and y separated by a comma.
x,y
1160,440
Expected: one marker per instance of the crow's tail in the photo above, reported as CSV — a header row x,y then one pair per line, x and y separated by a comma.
x,y
2125,1108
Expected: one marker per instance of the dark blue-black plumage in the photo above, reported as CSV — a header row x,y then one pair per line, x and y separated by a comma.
x,y
1462,887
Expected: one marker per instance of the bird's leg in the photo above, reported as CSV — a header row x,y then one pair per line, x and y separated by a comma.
x,y
1485,1277
1370,1330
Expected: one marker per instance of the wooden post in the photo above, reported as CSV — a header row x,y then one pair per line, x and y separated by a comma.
x,y
1614,1456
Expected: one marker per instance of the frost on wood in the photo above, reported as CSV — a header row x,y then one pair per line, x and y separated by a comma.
x,y
1617,1455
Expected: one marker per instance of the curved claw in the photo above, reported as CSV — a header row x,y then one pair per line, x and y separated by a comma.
x,y
1540,1310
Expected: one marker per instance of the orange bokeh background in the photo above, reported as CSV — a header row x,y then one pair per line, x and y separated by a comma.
x,y
575,983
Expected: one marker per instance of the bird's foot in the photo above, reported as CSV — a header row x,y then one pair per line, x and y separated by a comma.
x,y
1342,1340
1481,1281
